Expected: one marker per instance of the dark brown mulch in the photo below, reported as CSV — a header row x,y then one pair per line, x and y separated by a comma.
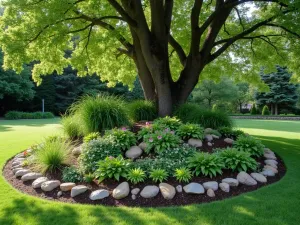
x,y
179,199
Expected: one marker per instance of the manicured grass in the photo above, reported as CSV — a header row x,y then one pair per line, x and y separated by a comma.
x,y
277,204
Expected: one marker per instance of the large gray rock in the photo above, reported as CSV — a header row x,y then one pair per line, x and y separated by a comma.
x,y
135,191
224,187
209,137
270,156
195,142
210,193
39,181
268,173
17,169
21,173
271,162
211,185
229,140
267,167
99,194
268,151
149,191
31,176
194,188
167,190
208,130
259,177
50,185
231,181
134,152
143,145
67,186
215,136
15,164
77,190
121,191
245,178
77,150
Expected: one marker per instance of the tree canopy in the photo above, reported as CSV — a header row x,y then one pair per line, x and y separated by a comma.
x,y
171,44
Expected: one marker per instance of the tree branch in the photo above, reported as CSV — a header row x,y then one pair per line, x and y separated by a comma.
x,y
179,50
123,13
196,35
239,16
283,28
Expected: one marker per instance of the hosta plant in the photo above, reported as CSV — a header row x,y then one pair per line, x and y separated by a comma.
x,y
158,175
237,160
112,168
136,175
183,174
123,137
170,122
229,132
190,130
206,164
91,136
249,144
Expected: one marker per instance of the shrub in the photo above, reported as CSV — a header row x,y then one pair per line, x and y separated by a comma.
x,y
249,144
112,168
229,132
72,127
91,136
206,164
253,110
189,130
97,150
237,161
122,137
265,111
183,174
101,112
136,175
168,122
150,129
71,174
158,175
16,115
142,110
180,153
52,154
192,113
161,141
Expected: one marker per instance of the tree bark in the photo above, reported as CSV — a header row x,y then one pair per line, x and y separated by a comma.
x,y
276,109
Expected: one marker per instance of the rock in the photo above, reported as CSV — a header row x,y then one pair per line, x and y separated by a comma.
x,y
14,164
143,145
134,152
17,166
271,162
38,182
209,137
149,191
31,176
215,136
270,156
208,130
77,190
133,197
209,144
267,167
231,181
99,194
194,188
195,142
224,187
135,191
167,190
210,193
179,188
211,185
245,178
268,173
268,151
259,177
228,140
18,161
121,191
21,173
67,186
17,169
50,185
59,194
77,150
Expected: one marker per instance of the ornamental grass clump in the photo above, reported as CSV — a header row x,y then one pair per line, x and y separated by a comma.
x,y
158,175
190,130
122,137
72,126
183,174
136,175
142,110
249,144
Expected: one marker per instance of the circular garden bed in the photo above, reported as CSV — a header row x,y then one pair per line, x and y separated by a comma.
x,y
162,163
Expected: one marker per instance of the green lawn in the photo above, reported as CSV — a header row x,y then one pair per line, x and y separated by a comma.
x,y
277,204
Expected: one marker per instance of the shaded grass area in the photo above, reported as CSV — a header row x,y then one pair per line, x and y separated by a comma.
x,y
277,204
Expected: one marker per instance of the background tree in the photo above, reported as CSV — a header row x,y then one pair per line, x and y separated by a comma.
x,y
282,94
243,96
170,44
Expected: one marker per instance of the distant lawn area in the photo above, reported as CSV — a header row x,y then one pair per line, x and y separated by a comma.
x,y
277,204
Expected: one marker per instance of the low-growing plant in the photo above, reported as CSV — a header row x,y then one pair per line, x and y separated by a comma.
x,y
249,144
214,132
142,110
181,152
206,164
89,178
230,133
123,137
91,136
158,175
169,122
112,168
190,130
71,174
150,129
72,126
161,141
96,150
237,160
183,174
136,175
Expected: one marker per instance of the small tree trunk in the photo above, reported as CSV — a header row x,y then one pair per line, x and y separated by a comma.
x,y
276,109
272,109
